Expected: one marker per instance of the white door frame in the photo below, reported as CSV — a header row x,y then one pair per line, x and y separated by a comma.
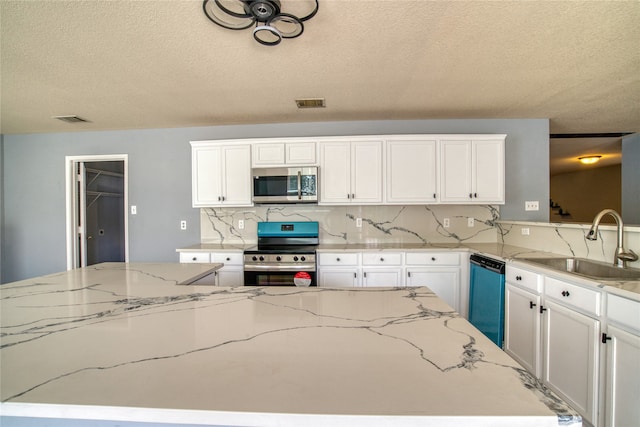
x,y
71,219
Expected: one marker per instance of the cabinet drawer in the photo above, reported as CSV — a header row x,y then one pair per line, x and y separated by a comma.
x,y
432,258
573,295
337,259
195,257
524,278
623,311
227,258
381,258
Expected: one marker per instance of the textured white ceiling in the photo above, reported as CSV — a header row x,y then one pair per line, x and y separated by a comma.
x,y
152,64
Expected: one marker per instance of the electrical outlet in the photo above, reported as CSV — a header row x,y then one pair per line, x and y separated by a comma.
x,y
359,222
446,223
241,224
531,206
471,222
525,231
183,225
134,210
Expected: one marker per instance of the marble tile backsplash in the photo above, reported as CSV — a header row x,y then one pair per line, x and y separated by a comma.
x,y
418,224
380,224
570,239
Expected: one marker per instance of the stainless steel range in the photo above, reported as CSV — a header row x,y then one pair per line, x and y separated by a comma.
x,y
286,255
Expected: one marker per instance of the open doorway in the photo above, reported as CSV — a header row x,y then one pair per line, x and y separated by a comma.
x,y
96,210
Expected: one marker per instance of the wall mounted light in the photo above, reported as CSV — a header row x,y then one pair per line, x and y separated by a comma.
x,y
589,160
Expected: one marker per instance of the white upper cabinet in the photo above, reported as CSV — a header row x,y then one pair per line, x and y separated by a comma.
x,y
472,169
350,172
412,171
221,174
284,153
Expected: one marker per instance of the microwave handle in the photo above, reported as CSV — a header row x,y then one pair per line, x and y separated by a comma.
x,y
299,185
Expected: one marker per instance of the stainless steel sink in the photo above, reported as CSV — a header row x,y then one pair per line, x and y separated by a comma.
x,y
585,267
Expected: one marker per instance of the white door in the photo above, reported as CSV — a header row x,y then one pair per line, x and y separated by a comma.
x,y
207,176
571,357
335,172
455,172
366,172
623,371
488,171
340,278
412,172
377,277
236,176
522,327
444,282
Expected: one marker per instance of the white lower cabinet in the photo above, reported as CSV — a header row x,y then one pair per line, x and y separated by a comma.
x,y
439,271
522,327
570,362
622,368
444,282
552,328
338,270
232,274
381,269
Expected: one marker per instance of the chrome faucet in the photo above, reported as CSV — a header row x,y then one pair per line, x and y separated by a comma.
x,y
621,256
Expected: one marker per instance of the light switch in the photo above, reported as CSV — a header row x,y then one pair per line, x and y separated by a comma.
x,y
134,210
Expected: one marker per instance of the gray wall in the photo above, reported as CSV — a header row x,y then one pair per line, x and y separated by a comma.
x,y
1,201
160,181
630,181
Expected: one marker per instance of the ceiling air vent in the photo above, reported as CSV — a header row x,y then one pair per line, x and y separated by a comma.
x,y
71,119
311,103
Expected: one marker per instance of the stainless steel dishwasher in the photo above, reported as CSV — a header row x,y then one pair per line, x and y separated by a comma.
x,y
486,296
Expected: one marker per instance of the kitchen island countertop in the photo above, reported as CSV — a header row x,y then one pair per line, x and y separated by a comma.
x,y
124,342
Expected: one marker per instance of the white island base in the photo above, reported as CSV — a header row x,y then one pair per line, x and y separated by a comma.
x,y
126,344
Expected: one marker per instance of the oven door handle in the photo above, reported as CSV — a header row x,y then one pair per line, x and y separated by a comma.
x,y
283,268
299,185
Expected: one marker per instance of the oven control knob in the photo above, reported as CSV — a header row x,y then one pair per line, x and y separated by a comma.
x,y
295,258
302,258
261,258
278,258
254,258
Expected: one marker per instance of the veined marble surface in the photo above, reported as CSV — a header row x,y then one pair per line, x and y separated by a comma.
x,y
124,342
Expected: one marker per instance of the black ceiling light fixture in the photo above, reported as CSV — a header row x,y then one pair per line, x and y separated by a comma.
x,y
271,23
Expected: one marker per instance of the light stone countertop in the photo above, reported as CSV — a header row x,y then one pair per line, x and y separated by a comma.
x,y
124,342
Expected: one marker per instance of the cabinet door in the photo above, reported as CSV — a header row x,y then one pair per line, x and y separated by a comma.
x,y
455,176
230,276
300,153
335,173
366,172
571,357
206,163
522,327
623,371
378,277
488,171
445,283
412,173
237,175
337,278
268,154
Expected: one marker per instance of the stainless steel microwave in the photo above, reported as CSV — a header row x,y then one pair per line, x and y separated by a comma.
x,y
285,185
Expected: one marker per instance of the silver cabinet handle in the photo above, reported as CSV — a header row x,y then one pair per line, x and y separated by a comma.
x,y
299,185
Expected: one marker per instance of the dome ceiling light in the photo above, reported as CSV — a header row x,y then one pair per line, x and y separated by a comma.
x,y
271,24
588,160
